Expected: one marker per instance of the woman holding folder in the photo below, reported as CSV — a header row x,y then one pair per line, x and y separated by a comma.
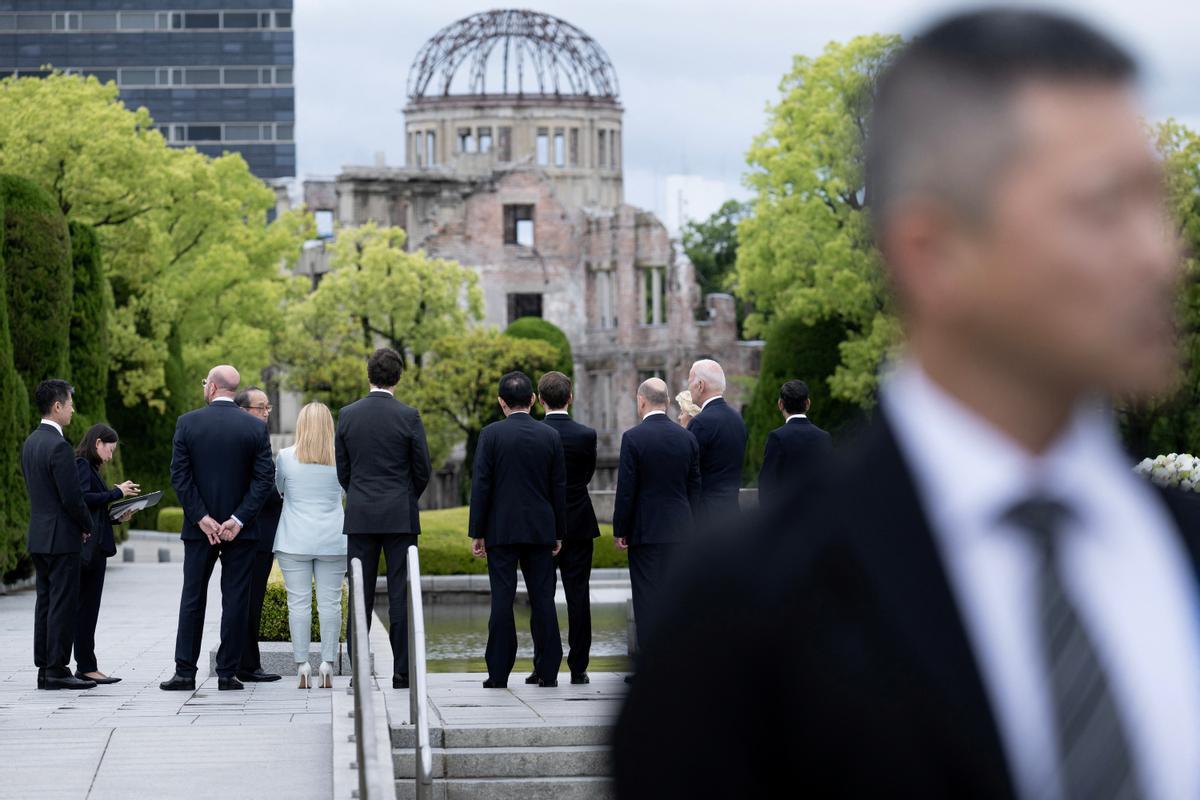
x,y
96,448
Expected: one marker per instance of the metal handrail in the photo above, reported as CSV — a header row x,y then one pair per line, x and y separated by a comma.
x,y
418,691
375,779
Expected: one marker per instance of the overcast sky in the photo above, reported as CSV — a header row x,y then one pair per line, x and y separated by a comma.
x,y
695,75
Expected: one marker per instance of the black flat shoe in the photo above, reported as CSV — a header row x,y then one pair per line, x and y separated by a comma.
x,y
580,677
107,679
178,683
532,679
67,682
399,681
229,684
629,679
547,684
258,676
491,684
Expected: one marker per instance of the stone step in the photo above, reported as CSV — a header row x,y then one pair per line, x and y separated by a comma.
x,y
510,762
512,789
458,736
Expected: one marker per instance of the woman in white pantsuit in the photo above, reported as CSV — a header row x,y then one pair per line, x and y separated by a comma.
x,y
309,542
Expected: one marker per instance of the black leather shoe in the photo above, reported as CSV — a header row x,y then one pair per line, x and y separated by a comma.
x,y
178,683
107,679
229,684
491,684
41,678
580,677
547,684
258,676
629,679
532,679
399,681
66,682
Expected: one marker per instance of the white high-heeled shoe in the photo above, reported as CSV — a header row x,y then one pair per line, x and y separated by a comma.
x,y
325,675
304,673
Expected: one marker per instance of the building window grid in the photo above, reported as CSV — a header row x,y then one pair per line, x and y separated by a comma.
x,y
141,21
187,77
228,133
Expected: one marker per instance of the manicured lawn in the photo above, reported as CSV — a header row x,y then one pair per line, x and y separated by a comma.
x,y
446,550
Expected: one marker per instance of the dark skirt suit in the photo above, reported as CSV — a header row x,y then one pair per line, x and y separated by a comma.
x,y
96,496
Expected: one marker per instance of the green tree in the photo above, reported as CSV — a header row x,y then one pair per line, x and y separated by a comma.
x,y
91,303
37,255
177,230
14,417
1172,424
805,251
377,294
711,245
798,350
546,331
458,385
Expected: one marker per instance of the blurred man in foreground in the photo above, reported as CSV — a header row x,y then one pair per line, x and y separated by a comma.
x,y
986,602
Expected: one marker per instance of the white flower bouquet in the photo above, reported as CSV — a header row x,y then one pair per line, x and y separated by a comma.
x,y
1178,470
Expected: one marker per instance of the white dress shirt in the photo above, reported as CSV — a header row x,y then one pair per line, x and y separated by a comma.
x,y
1124,568
650,414
557,414
795,416
54,425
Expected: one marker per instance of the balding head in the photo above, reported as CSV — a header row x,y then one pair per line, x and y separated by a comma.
x,y
706,380
222,381
652,396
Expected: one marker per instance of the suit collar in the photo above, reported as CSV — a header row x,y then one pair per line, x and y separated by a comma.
x,y
895,545
719,400
381,393
51,425
798,419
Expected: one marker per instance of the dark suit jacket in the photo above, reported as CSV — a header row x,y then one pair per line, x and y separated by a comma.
x,y
722,437
844,661
519,484
658,483
383,464
96,496
579,450
267,521
221,467
58,517
794,452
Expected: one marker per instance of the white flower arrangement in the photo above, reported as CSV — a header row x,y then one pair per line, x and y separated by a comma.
x,y
1178,470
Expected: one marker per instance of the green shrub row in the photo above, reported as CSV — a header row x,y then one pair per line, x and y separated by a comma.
x,y
170,519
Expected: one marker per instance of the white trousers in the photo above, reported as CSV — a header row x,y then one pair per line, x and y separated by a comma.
x,y
298,574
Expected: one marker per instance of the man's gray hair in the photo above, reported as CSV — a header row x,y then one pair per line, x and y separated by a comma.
x,y
655,392
711,373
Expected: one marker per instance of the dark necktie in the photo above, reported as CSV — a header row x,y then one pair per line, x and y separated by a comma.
x,y
1094,759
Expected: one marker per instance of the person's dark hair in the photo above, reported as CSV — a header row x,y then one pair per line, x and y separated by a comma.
x,y
941,122
50,392
516,389
555,390
794,396
86,448
243,400
384,368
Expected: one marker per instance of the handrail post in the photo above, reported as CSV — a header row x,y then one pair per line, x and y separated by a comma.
x,y
418,692
375,780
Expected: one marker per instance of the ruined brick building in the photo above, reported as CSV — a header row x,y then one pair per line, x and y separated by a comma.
x,y
514,167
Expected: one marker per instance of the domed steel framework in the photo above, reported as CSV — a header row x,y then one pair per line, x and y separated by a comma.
x,y
511,48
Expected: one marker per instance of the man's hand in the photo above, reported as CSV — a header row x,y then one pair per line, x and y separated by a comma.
x,y
478,548
230,529
621,542
86,535
557,547
211,528
129,489
128,515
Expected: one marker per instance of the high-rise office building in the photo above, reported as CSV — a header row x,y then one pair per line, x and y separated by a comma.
x,y
215,74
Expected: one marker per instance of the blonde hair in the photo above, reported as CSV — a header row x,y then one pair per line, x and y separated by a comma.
x,y
314,435
684,400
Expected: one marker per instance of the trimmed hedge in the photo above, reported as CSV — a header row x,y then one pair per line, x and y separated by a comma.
x,y
37,257
170,519
14,416
274,625
542,330
809,353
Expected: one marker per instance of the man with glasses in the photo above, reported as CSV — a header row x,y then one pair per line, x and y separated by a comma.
x,y
254,401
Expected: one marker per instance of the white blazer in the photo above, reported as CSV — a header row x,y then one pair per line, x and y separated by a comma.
x,y
311,522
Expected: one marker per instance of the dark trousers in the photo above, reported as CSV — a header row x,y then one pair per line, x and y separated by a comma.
x,y
367,547
649,570
537,566
575,564
199,559
91,586
259,573
54,611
